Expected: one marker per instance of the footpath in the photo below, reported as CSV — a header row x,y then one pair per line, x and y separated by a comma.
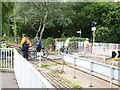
x,y
8,80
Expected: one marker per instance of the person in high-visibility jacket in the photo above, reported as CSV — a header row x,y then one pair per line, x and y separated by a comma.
x,y
23,40
3,46
24,46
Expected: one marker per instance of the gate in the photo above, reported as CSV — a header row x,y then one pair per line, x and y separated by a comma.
x,y
6,58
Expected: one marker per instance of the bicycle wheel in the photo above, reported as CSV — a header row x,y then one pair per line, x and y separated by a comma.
x,y
44,53
32,54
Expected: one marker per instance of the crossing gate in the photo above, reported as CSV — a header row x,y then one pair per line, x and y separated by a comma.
x,y
6,58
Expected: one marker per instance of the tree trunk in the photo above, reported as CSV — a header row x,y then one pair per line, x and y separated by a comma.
x,y
38,31
43,28
41,33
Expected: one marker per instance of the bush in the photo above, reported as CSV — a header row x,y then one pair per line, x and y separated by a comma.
x,y
72,39
103,34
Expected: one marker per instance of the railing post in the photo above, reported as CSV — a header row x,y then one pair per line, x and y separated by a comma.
x,y
1,58
11,53
63,62
111,77
6,58
91,67
74,67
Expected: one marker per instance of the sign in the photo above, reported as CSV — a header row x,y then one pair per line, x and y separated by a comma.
x,y
93,28
78,31
115,54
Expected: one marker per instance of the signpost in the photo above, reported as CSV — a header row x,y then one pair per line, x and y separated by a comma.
x,y
93,29
79,33
80,39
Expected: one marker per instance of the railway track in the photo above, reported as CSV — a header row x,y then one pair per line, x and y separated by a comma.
x,y
56,81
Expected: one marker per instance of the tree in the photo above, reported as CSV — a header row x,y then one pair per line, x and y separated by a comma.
x,y
41,15
7,10
106,14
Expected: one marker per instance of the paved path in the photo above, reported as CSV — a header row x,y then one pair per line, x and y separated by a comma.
x,y
55,57
7,80
84,79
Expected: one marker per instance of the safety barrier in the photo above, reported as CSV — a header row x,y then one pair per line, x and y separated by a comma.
x,y
105,49
102,69
27,76
6,58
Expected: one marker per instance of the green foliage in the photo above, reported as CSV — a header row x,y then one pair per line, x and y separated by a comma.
x,y
28,17
44,66
76,85
41,15
106,14
46,42
102,34
7,10
72,39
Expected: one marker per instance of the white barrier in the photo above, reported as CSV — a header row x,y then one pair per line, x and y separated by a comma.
x,y
27,76
105,49
103,69
6,58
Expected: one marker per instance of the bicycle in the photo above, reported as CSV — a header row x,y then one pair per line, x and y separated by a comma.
x,y
63,49
33,54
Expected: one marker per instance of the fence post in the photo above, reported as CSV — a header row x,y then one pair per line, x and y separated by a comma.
x,y
63,62
11,59
74,67
6,59
91,67
111,77
1,57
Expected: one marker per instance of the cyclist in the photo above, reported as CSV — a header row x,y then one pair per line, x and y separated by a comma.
x,y
39,45
24,46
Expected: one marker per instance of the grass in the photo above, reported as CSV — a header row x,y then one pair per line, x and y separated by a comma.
x,y
72,83
53,64
44,65
76,85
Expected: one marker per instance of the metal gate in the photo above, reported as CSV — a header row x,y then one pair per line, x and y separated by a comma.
x,y
6,58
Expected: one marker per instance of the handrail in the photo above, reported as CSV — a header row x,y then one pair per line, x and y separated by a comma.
x,y
93,66
26,75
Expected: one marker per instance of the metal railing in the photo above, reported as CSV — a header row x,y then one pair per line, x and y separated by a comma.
x,y
6,58
105,49
92,66
27,76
